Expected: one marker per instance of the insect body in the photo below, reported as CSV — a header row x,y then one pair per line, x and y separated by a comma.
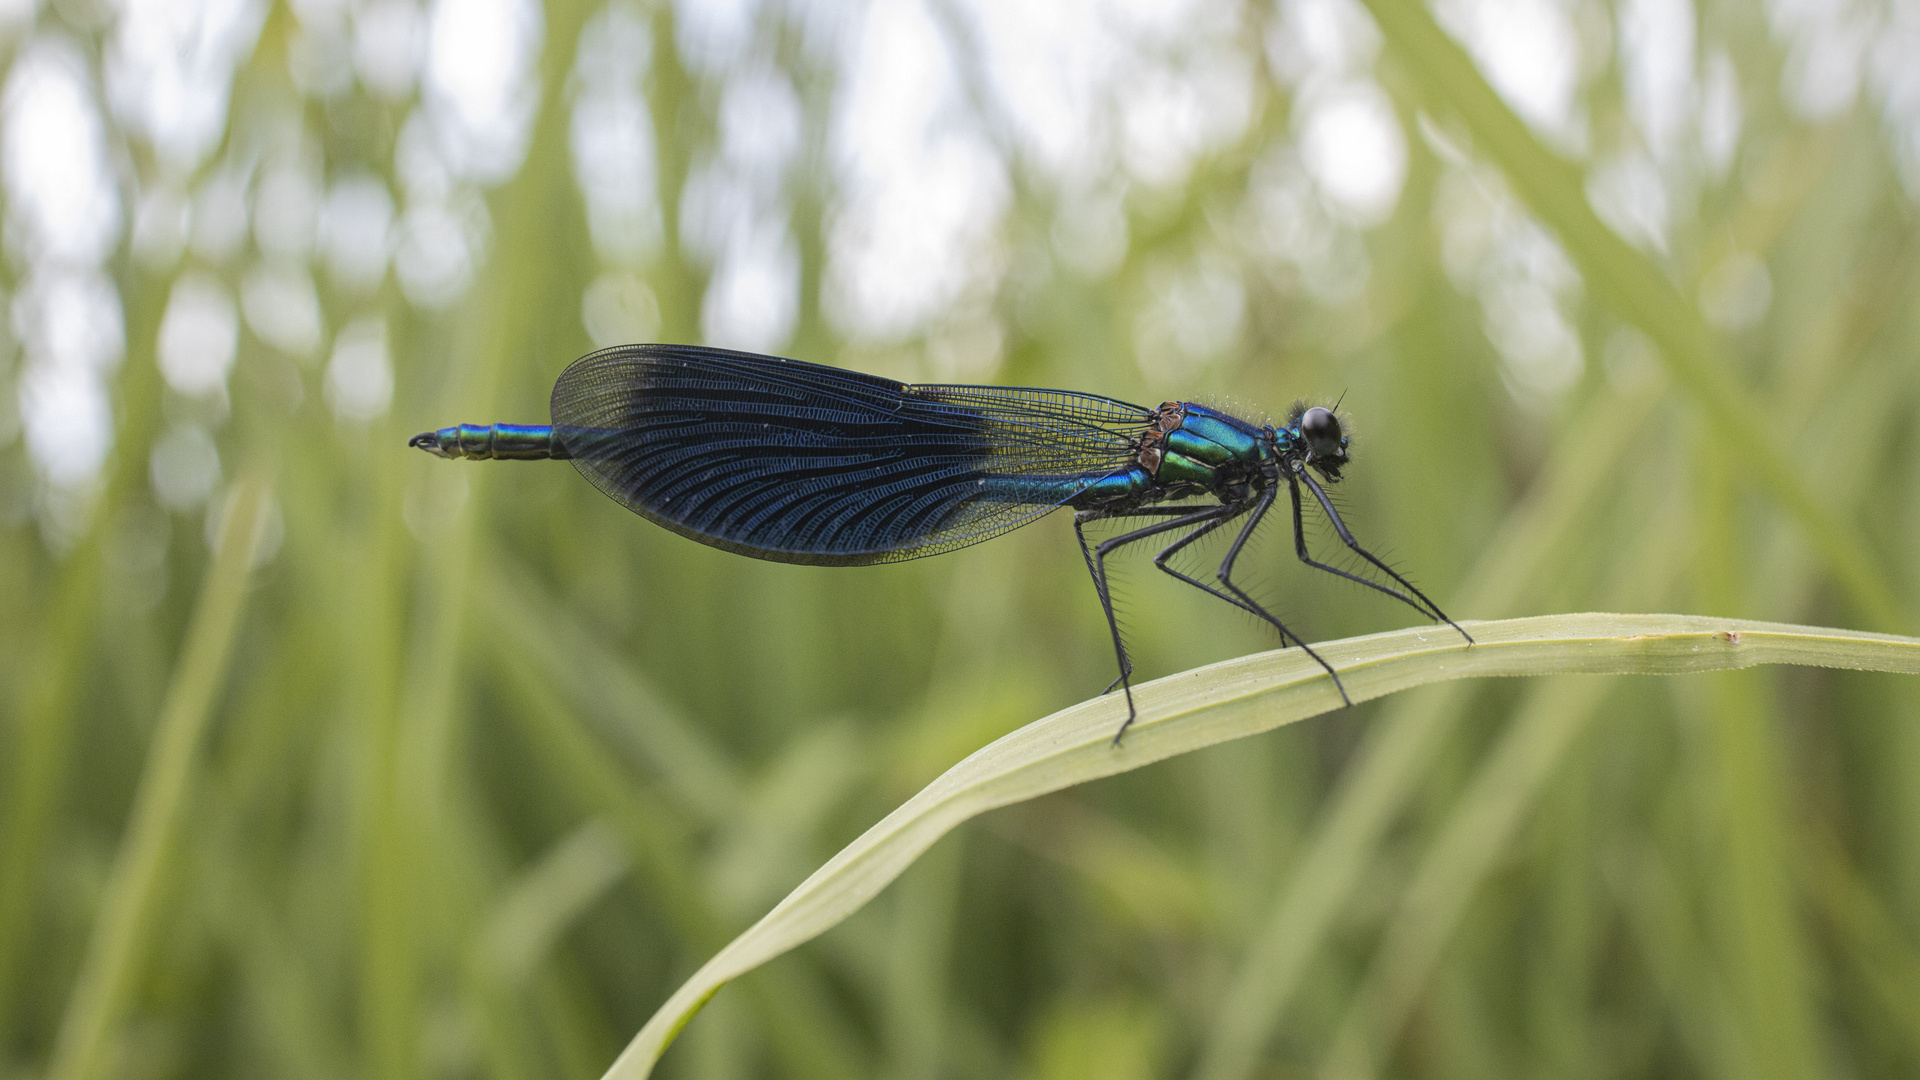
x,y
797,462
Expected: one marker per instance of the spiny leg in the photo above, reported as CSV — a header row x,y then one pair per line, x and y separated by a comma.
x,y
1180,517
1099,572
1097,567
1300,549
1174,548
1347,538
1226,579
1106,605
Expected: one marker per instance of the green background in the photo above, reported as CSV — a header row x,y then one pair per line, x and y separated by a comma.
x,y
493,764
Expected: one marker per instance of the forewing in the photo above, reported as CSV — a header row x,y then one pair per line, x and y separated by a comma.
x,y
797,462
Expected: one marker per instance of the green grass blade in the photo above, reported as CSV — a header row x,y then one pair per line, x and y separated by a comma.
x,y
1635,287
531,915
41,743
1748,875
1481,825
118,940
1232,700
602,685
513,312
1881,953
1393,752
1680,963
1766,948
1451,872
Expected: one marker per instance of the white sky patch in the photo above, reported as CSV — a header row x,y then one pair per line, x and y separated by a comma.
x,y
480,87
359,380
169,70
319,12
759,122
1290,222
441,238
921,192
70,322
1351,143
1657,51
716,203
63,217
736,214
434,256
1526,285
319,53
1720,113
1050,66
752,299
283,309
1826,45
70,318
1528,51
1319,41
1306,202
388,40
1079,81
356,231
713,35
320,50
17,13
1630,195
60,189
1896,80
1170,117
198,335
64,413
1541,349
614,158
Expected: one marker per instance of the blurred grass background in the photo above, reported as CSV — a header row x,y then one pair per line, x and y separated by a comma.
x,y
446,771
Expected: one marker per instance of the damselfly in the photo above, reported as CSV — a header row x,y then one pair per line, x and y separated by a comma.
x,y
800,463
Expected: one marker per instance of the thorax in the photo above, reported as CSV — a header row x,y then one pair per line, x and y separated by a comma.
x,y
1187,450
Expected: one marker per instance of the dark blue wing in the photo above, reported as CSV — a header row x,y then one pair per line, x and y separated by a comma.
x,y
797,462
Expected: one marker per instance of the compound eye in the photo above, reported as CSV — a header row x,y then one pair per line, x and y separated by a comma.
x,y
1322,432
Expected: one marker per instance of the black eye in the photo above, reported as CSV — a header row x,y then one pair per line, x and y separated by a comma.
x,y
1321,431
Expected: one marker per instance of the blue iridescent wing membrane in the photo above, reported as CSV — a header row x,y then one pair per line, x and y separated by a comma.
x,y
797,462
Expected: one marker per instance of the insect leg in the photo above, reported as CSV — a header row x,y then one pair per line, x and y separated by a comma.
x,y
1097,566
1347,537
1186,515
1174,548
1300,549
1225,575
1106,605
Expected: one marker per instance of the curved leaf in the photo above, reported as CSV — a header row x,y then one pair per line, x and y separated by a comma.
x,y
1231,700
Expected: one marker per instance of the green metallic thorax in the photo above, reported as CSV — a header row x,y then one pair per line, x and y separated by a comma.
x,y
1186,450
1208,450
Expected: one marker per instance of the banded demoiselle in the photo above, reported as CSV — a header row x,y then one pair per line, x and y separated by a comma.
x,y
801,463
